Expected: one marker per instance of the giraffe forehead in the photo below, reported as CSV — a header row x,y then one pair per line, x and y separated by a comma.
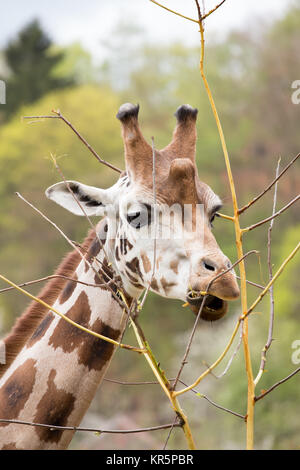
x,y
184,187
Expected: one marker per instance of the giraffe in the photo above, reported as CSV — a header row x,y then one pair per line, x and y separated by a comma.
x,y
53,369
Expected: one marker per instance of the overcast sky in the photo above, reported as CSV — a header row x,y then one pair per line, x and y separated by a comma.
x,y
90,21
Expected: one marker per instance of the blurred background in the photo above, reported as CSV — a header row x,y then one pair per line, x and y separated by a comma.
x,y
86,58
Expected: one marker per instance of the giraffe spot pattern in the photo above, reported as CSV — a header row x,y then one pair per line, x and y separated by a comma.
x,y
92,351
146,262
134,267
174,265
167,285
66,336
68,290
16,391
54,408
41,329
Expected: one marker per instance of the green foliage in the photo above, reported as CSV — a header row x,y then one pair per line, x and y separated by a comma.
x,y
25,166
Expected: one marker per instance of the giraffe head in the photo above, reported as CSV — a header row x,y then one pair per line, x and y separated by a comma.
x,y
159,216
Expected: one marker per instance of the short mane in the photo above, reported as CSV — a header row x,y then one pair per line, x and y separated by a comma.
x,y
27,323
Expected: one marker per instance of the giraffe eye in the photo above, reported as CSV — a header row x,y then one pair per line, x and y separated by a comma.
x,y
139,218
213,218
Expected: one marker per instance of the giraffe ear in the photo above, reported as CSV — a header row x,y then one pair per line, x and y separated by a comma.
x,y
75,196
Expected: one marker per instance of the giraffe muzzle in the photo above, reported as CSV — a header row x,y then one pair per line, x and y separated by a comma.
x,y
214,308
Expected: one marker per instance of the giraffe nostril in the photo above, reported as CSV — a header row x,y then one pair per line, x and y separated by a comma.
x,y
209,265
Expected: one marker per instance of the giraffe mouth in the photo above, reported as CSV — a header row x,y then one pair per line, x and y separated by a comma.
x,y
213,309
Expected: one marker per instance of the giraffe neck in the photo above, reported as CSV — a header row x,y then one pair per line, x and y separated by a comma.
x,y
55,376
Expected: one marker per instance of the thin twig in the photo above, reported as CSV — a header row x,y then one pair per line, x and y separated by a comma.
x,y
75,248
78,202
263,394
95,430
271,321
251,227
170,432
172,11
119,382
219,406
233,355
164,383
271,282
252,283
187,351
91,149
186,17
67,319
270,185
48,278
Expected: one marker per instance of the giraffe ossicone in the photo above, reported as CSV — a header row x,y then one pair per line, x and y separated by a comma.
x,y
156,232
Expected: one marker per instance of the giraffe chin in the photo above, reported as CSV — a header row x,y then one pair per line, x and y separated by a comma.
x,y
214,308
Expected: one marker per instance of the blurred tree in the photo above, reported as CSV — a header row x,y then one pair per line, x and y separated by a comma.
x,y
31,67
76,64
25,166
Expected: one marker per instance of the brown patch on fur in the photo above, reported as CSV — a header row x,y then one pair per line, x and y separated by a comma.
x,y
92,352
54,408
174,265
28,322
16,391
41,329
154,285
129,245
94,250
134,266
95,353
146,262
66,336
10,446
133,280
68,290
166,285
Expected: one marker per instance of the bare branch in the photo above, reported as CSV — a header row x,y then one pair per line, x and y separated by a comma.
x,y
233,355
271,282
213,10
251,227
269,186
48,278
91,149
271,321
252,283
266,392
75,248
183,362
175,12
95,430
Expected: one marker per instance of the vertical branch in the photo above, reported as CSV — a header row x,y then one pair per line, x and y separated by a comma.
x,y
165,384
239,245
271,322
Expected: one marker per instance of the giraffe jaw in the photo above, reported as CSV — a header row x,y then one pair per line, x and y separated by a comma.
x,y
213,309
